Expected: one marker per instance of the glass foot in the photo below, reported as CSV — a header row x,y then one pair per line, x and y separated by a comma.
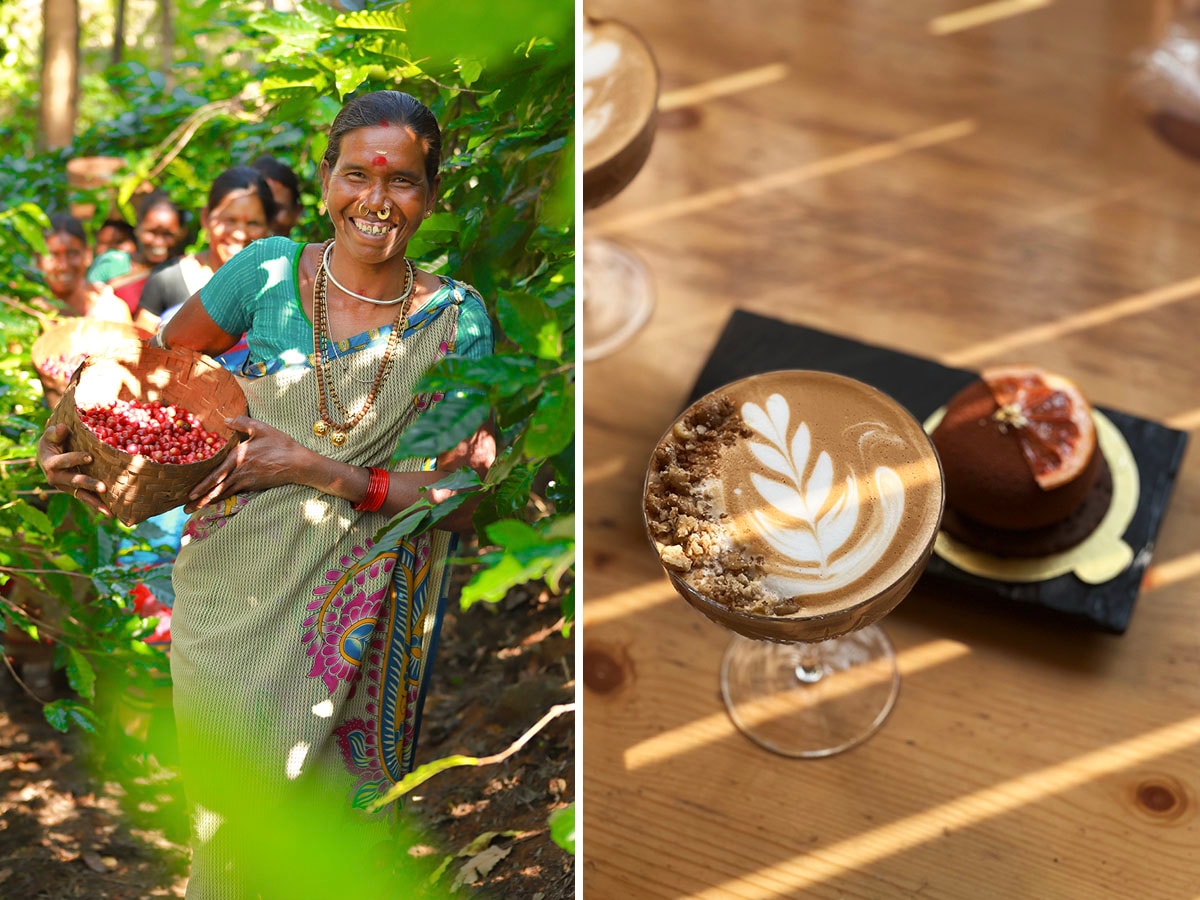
x,y
617,296
811,700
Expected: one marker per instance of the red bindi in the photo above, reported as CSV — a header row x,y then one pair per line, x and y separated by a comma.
x,y
384,123
379,161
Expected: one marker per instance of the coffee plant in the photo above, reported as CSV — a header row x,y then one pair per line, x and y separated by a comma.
x,y
499,77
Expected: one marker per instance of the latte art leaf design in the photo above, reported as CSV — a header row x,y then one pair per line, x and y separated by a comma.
x,y
814,519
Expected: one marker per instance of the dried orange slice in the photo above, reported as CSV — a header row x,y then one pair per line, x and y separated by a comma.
x,y
1051,417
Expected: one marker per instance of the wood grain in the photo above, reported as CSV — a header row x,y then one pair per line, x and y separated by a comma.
x,y
988,194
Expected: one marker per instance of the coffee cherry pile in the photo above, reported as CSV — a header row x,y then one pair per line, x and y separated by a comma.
x,y
164,433
61,366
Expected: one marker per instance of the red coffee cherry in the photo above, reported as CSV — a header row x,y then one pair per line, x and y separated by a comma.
x,y
164,433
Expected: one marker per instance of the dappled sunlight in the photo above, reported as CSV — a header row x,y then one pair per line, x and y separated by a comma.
x,y
1185,421
1022,338
718,727
295,760
722,87
984,14
205,823
1172,571
854,854
323,710
630,602
754,188
315,510
614,465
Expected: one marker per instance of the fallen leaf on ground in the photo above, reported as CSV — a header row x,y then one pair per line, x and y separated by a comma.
x,y
479,865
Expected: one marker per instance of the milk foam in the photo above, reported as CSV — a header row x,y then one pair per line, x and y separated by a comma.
x,y
826,534
836,488
598,61
618,90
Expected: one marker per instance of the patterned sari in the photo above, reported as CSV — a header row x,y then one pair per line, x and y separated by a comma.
x,y
300,651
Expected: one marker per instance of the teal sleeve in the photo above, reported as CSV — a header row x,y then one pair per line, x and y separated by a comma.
x,y
475,338
237,289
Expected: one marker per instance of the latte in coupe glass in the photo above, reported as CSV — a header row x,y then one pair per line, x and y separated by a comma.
x,y
796,508
619,99
619,103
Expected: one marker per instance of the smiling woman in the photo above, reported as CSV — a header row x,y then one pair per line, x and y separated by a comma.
x,y
240,209
300,651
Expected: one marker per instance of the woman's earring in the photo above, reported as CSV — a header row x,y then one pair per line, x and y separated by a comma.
x,y
428,213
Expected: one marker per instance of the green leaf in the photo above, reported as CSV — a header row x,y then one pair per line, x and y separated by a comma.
x,y
445,424
493,583
509,497
562,827
470,70
80,673
530,324
412,520
34,517
372,20
62,714
553,423
512,534
498,375
31,223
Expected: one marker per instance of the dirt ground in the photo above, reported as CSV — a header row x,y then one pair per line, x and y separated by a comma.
x,y
65,833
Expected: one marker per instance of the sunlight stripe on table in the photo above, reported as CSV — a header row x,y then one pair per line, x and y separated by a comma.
x,y
717,727
757,187
984,14
856,854
1092,318
1172,571
1185,421
631,602
614,465
722,87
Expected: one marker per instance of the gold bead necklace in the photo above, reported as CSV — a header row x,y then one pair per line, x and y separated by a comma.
x,y
338,432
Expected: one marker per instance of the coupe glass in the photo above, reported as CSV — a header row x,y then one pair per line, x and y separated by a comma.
x,y
812,684
619,78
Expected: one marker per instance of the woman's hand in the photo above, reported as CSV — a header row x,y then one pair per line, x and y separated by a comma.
x,y
60,464
265,458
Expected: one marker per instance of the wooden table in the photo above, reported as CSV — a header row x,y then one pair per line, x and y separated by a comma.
x,y
973,185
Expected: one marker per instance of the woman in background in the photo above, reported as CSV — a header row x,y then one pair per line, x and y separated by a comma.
x,y
285,188
240,209
64,266
158,233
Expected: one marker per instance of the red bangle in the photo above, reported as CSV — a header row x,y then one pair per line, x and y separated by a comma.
x,y
377,491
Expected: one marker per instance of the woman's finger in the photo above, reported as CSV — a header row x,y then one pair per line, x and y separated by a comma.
x,y
213,479
66,461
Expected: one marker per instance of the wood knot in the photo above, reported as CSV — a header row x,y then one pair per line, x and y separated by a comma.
x,y
1162,798
605,668
682,118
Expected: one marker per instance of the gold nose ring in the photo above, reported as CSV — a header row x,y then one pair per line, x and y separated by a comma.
x,y
362,208
383,213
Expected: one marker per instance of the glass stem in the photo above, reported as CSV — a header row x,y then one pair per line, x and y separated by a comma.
x,y
809,668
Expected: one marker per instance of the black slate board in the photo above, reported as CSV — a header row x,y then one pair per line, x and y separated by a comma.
x,y
750,344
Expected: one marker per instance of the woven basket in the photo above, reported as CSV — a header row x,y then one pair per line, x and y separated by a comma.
x,y
138,487
73,337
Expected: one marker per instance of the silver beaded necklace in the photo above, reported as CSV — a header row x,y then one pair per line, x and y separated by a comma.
x,y
409,281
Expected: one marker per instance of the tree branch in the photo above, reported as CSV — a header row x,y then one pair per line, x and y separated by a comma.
x,y
423,773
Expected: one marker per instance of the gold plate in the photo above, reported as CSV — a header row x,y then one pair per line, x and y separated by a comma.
x,y
1098,558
